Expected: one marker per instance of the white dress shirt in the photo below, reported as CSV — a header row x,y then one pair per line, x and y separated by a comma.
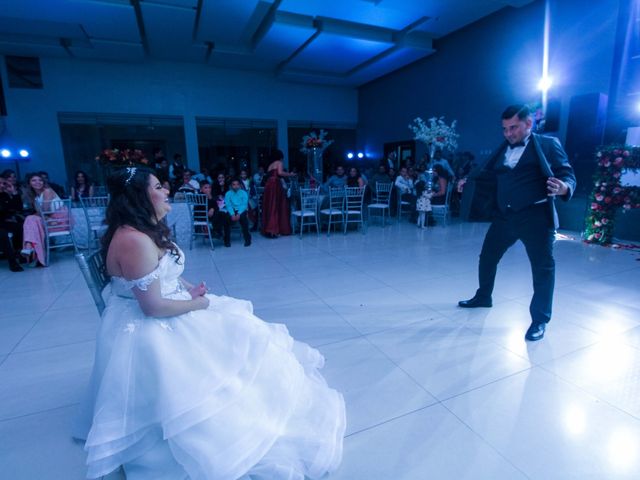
x,y
512,155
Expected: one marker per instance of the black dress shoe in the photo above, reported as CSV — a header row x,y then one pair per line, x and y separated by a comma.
x,y
535,332
15,267
475,302
247,243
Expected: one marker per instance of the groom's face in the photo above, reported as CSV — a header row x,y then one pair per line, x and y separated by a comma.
x,y
515,129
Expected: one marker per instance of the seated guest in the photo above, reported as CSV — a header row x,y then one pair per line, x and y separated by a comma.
x,y
258,177
220,186
176,168
217,218
355,179
381,176
11,222
82,187
203,176
188,185
438,159
59,189
33,229
337,180
249,186
162,169
407,191
237,203
440,183
11,177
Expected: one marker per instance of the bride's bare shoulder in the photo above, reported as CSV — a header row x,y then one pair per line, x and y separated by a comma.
x,y
131,254
127,238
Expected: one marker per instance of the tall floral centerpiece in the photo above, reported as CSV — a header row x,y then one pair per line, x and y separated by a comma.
x,y
313,144
435,133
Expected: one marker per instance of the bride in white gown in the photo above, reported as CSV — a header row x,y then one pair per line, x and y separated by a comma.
x,y
189,385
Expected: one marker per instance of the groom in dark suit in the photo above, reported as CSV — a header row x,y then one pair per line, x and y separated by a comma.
x,y
523,179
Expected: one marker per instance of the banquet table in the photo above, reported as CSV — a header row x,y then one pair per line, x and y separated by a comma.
x,y
177,219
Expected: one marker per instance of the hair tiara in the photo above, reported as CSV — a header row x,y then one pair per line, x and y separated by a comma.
x,y
132,172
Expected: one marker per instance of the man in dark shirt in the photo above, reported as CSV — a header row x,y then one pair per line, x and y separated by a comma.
x,y
527,173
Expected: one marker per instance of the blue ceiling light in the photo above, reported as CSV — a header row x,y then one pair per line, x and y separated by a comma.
x,y
5,152
360,155
350,155
23,153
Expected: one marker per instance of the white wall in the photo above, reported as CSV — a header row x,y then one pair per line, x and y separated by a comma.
x,y
188,90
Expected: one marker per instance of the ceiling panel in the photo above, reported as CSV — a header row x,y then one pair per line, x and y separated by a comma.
x,y
108,50
360,11
284,38
26,50
231,21
396,59
321,55
169,32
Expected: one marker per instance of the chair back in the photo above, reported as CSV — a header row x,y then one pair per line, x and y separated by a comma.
x,y
336,198
179,197
56,216
383,193
354,197
95,210
198,204
309,200
94,271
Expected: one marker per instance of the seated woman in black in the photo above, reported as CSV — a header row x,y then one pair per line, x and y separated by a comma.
x,y
11,221
440,182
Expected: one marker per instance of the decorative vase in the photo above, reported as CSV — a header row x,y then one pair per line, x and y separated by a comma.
x,y
314,164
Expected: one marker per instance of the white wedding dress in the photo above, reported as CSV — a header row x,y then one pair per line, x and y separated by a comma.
x,y
211,394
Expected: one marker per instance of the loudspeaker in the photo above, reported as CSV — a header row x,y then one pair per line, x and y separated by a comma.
x,y
552,115
585,132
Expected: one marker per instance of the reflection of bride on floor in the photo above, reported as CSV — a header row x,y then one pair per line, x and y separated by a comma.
x,y
189,385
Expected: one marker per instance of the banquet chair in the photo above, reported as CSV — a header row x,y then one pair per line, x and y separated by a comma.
x,y
403,205
58,228
353,207
382,200
95,209
198,206
444,211
94,271
336,208
308,212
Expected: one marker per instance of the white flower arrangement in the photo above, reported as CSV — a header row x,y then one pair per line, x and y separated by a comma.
x,y
314,140
436,133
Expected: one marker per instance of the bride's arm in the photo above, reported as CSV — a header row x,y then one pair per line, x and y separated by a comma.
x,y
139,258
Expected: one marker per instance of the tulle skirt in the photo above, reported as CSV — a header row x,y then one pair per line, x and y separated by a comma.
x,y
211,394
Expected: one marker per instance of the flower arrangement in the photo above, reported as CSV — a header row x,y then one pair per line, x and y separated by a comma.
x,y
435,132
608,194
314,140
115,157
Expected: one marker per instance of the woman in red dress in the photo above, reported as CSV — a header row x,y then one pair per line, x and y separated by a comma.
x,y
275,206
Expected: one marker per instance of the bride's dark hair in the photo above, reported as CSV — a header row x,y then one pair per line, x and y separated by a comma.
x,y
130,205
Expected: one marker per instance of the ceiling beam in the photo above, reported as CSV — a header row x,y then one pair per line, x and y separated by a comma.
x,y
265,24
141,30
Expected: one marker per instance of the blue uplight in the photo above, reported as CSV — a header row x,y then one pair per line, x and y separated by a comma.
x,y
350,155
360,155
23,153
6,153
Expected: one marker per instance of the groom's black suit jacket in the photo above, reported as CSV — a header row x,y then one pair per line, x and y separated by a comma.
x,y
480,190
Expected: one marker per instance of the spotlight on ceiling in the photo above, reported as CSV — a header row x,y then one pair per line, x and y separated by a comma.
x,y
545,84
6,153
23,153
350,155
360,155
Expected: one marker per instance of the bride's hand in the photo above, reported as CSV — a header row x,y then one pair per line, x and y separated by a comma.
x,y
202,303
198,291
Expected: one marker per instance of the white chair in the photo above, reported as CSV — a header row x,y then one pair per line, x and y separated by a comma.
x,y
94,271
336,208
58,228
382,200
308,212
353,206
198,211
443,211
95,209
403,205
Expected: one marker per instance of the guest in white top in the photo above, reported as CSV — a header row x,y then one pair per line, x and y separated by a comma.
x,y
407,191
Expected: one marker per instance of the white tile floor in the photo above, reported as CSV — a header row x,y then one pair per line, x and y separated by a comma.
x,y
432,391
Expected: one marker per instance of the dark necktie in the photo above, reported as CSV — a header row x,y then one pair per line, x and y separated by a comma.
x,y
515,145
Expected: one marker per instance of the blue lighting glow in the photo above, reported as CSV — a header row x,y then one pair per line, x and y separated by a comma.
x,y
5,153
23,153
360,155
350,155
545,84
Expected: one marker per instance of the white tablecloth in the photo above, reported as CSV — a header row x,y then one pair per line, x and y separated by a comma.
x,y
177,219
